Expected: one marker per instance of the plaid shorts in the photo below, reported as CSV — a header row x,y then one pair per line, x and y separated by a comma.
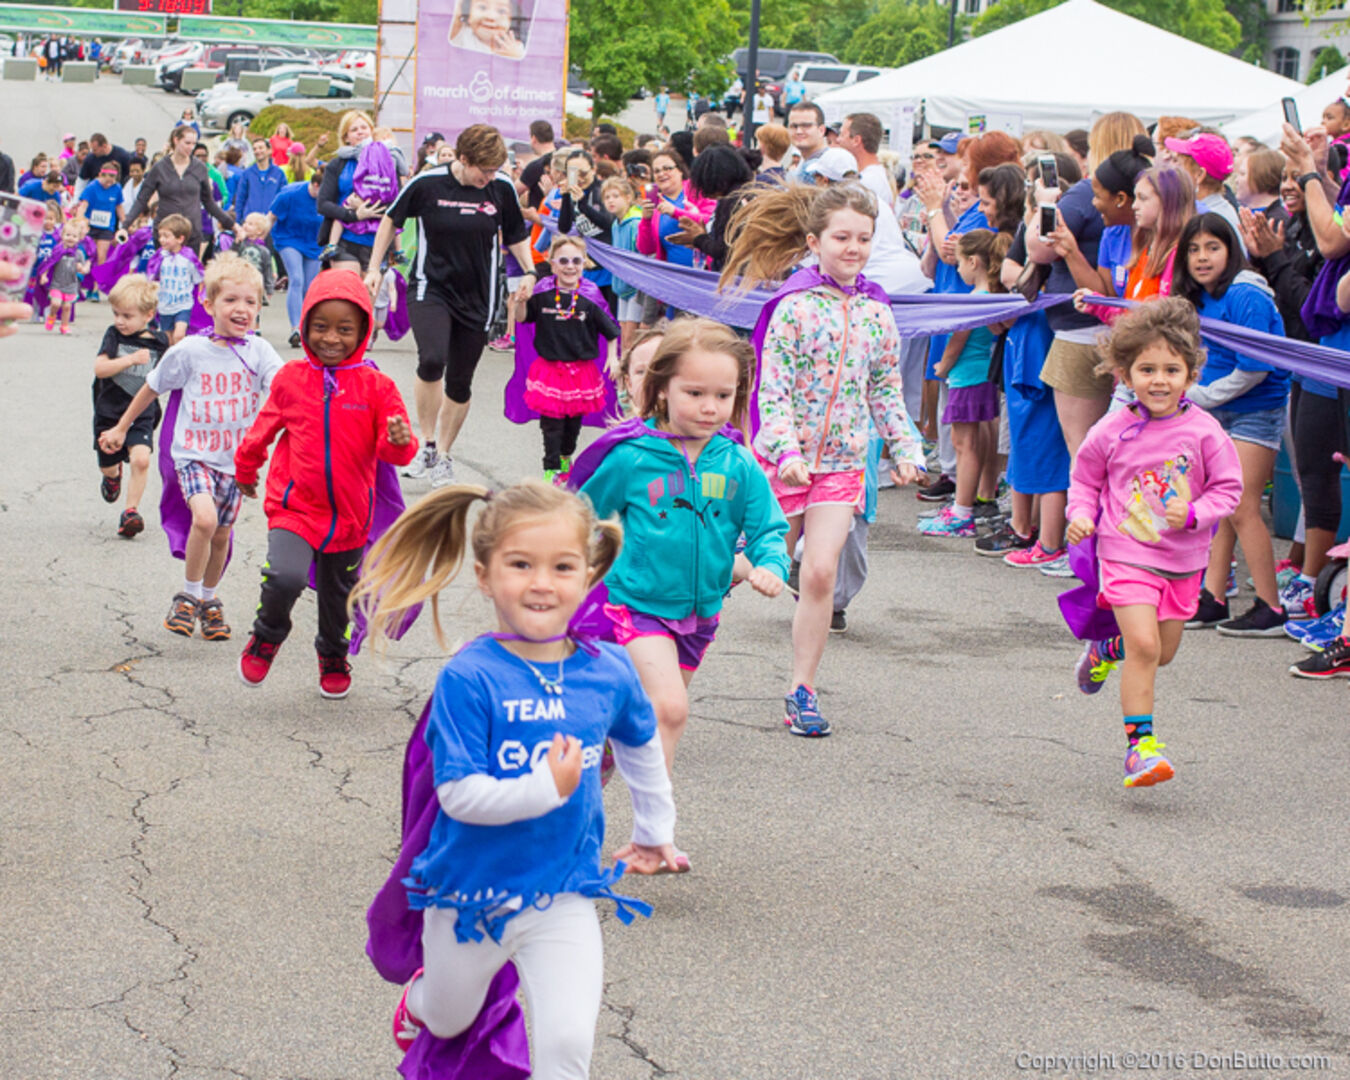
x,y
197,478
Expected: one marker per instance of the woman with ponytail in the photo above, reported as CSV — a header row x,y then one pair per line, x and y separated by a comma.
x,y
517,727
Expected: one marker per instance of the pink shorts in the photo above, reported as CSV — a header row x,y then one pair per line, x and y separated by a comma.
x,y
56,296
840,488
1175,598
692,634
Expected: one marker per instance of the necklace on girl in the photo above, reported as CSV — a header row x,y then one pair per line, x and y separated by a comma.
x,y
565,313
549,686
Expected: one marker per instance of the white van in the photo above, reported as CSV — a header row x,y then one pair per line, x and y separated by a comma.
x,y
820,78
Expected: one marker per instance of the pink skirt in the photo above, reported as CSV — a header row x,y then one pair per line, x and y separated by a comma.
x,y
562,388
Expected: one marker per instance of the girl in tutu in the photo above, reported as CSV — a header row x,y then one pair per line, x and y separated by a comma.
x,y
565,381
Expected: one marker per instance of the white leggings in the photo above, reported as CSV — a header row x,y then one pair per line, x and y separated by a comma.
x,y
560,957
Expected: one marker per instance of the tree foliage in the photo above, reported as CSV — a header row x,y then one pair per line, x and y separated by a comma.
x,y
1328,59
623,45
1206,22
900,32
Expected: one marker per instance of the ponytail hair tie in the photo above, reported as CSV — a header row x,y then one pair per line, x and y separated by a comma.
x,y
487,495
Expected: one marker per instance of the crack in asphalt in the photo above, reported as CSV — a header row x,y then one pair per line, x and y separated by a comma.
x,y
627,1015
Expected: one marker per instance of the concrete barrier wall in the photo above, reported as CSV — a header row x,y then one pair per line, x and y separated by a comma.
x,y
138,75
256,80
314,85
18,67
79,71
195,79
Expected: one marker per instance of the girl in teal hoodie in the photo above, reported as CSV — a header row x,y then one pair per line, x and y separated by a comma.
x,y
686,488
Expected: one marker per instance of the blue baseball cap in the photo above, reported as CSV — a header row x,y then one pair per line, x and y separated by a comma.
x,y
949,143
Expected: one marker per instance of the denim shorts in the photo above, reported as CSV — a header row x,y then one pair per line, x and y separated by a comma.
x,y
1264,427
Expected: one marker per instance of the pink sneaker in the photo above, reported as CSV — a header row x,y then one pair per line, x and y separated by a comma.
x,y
1032,556
406,1025
505,343
65,330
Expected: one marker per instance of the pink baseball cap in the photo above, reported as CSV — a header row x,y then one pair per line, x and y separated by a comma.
x,y
68,137
297,149
1211,152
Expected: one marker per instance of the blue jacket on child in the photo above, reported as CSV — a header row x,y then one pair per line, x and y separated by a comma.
x,y
681,521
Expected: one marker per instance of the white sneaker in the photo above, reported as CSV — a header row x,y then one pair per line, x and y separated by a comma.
x,y
443,472
425,459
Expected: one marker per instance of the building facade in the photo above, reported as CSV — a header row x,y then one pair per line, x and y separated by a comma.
x,y
1293,41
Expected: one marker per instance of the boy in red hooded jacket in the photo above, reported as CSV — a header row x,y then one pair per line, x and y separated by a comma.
x,y
337,415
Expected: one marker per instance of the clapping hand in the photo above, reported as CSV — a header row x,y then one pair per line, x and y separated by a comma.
x,y
1261,237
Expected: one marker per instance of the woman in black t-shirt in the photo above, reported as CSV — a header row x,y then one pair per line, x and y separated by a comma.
x,y
464,214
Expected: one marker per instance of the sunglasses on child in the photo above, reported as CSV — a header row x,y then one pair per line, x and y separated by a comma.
x,y
569,260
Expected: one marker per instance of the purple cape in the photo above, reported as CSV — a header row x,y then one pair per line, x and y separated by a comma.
x,y
39,295
496,1046
396,323
200,320
1321,314
120,259
1084,616
374,181
516,410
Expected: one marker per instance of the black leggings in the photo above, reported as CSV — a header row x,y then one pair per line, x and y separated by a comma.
x,y
284,577
1319,431
560,438
446,345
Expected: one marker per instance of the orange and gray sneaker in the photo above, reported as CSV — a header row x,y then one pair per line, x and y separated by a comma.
x,y
214,626
130,523
182,616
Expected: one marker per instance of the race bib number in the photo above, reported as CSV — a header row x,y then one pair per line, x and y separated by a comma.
x,y
101,219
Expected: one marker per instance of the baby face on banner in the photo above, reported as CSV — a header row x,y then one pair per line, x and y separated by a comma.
x,y
485,26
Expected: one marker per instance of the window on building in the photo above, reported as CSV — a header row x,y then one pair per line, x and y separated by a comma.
x,y
1286,62
972,7
1284,7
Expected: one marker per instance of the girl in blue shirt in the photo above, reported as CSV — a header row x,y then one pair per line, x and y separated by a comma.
x,y
1248,398
517,726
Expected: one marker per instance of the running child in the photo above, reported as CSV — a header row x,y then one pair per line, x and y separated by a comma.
x,y
1150,481
220,379
61,274
828,355
631,370
252,248
972,400
685,489
516,728
565,383
101,204
178,271
337,416
131,348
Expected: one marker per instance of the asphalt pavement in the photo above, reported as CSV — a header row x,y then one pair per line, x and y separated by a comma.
x,y
955,884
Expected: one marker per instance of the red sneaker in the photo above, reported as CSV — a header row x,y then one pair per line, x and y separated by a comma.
x,y
335,676
256,661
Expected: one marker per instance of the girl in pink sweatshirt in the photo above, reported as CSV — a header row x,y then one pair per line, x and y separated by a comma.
x,y
1151,481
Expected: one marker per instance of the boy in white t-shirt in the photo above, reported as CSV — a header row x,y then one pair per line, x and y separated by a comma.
x,y
177,270
222,379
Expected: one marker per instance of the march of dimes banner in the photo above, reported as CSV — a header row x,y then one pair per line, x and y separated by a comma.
x,y
498,62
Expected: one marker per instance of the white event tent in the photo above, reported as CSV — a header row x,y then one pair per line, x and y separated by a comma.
x,y
1264,124
1062,68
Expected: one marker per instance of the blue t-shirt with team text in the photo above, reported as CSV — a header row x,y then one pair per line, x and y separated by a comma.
x,y
102,204
491,714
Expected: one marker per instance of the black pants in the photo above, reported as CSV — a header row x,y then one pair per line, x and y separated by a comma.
x,y
285,575
560,438
1319,432
446,345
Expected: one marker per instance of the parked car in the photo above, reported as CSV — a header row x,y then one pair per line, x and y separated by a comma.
x,y
773,66
357,60
821,78
223,111
281,71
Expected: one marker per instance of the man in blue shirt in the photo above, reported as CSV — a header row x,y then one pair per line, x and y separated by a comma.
x,y
258,184
662,103
794,90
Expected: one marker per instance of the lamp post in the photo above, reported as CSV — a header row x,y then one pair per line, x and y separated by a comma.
x,y
951,25
752,78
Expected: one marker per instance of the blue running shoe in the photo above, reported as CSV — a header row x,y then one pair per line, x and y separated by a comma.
x,y
803,715
1297,598
1093,668
1317,634
1231,588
